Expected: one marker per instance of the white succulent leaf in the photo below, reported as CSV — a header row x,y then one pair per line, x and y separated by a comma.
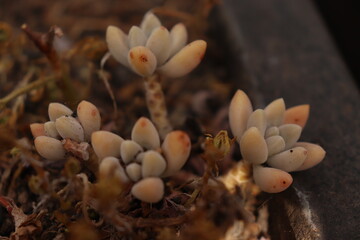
x,y
145,134
150,190
136,37
159,44
149,23
275,144
253,146
289,160
89,118
37,129
257,119
271,180
153,164
69,127
315,154
272,131
106,144
176,149
142,61
133,170
129,150
275,112
290,133
56,110
179,37
185,60
239,111
117,42
110,168
49,148
50,130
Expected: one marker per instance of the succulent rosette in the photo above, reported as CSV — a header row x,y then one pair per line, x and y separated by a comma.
x,y
143,160
151,47
63,126
268,139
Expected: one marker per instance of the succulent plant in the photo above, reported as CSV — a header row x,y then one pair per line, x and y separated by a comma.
x,y
50,136
152,47
145,159
152,50
268,139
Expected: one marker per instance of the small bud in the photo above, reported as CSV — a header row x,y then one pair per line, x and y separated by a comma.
x,y
222,142
49,148
149,190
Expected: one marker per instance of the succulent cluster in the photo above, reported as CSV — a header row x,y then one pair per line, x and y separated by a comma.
x,y
268,139
152,47
143,159
65,125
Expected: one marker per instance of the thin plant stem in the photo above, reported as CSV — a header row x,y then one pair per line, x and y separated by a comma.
x,y
25,89
192,198
155,101
105,80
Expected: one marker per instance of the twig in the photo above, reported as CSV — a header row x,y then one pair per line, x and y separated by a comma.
x,y
18,106
19,91
192,198
149,222
105,79
85,198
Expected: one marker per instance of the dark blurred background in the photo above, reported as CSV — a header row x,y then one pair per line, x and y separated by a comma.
x,y
343,21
